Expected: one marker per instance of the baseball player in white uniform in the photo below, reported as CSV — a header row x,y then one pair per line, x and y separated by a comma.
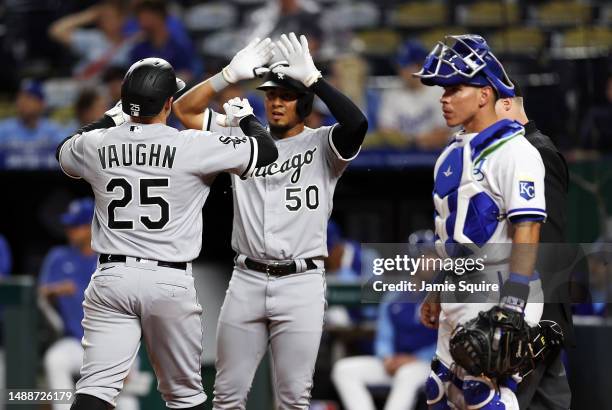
x,y
488,190
150,182
276,297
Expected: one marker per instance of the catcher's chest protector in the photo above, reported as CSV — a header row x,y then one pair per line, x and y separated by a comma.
x,y
465,212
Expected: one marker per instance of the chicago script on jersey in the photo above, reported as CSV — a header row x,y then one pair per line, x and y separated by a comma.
x,y
295,163
126,155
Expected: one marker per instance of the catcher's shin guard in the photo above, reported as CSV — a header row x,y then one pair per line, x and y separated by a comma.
x,y
434,387
480,393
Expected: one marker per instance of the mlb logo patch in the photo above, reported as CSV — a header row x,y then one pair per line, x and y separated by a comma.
x,y
527,189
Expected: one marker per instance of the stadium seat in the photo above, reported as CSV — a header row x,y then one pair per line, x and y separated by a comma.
x,y
561,13
249,2
517,40
430,38
376,42
488,14
351,16
419,14
212,16
605,15
596,37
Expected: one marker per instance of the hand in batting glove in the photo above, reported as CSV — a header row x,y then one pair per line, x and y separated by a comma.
x,y
301,67
248,62
235,110
117,115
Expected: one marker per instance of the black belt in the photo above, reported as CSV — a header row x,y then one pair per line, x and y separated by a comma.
x,y
106,258
277,269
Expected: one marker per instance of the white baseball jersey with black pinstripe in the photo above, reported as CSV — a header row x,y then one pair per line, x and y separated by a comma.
x,y
281,212
150,183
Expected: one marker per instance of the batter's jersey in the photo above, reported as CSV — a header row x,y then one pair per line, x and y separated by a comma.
x,y
150,183
65,263
281,212
485,181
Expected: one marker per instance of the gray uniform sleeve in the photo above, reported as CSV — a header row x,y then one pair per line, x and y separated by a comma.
x,y
72,156
216,153
336,161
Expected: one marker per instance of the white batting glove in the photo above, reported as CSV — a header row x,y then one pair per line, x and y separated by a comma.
x,y
235,110
117,115
248,62
301,67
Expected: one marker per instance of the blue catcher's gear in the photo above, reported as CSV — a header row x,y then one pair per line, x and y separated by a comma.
x,y
465,59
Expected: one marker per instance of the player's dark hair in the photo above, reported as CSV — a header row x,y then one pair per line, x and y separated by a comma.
x,y
155,6
114,73
518,92
85,100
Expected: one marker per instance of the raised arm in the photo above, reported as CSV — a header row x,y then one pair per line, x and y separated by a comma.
x,y
61,30
352,125
189,109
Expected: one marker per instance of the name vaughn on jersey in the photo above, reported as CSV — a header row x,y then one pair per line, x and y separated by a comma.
x,y
155,155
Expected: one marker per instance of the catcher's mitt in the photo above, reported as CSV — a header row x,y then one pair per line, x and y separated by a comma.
x,y
494,344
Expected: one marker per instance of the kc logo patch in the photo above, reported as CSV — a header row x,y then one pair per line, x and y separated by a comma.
x,y
527,189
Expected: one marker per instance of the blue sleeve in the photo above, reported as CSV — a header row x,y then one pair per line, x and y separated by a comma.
x,y
6,260
49,271
426,353
383,344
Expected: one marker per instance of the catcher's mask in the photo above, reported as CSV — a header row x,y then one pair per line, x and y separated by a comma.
x,y
465,59
305,96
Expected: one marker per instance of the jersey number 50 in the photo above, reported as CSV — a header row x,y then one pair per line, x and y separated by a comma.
x,y
145,199
293,200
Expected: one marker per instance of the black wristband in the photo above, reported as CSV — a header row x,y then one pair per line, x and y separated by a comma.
x,y
514,295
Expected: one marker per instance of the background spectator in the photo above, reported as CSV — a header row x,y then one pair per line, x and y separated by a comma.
x,y
404,349
99,47
112,79
30,127
596,131
6,260
410,115
158,41
64,277
286,16
90,106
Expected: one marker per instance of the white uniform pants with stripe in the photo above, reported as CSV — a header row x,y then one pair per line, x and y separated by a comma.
x,y
352,375
128,301
282,313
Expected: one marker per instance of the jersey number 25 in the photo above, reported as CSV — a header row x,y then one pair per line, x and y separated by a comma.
x,y
145,199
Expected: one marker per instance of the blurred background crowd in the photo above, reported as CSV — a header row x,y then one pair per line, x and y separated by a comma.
x,y
62,66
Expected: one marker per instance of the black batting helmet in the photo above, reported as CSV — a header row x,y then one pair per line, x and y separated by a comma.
x,y
280,80
146,87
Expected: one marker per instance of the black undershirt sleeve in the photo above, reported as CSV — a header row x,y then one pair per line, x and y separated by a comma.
x,y
104,122
267,151
352,125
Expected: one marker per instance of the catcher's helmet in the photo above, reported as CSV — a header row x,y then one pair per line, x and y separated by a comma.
x,y
465,59
146,87
279,80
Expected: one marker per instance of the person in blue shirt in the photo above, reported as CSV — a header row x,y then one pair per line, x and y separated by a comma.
x,y
63,279
403,349
6,261
158,40
5,269
30,128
